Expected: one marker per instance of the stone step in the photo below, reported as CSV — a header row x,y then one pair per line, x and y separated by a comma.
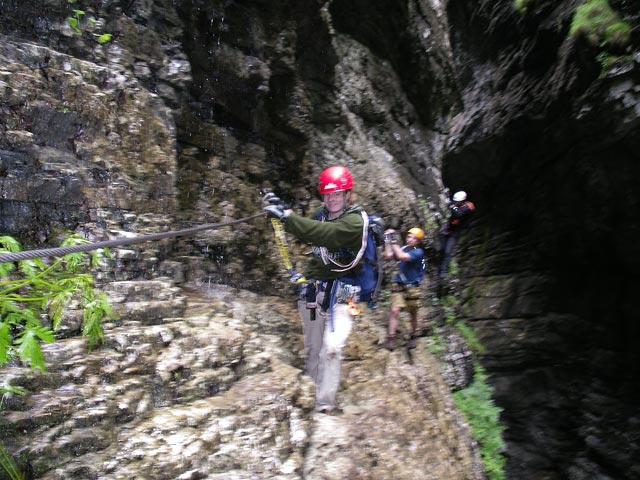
x,y
141,290
153,312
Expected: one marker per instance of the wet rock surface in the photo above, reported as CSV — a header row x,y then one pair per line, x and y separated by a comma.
x,y
195,105
216,391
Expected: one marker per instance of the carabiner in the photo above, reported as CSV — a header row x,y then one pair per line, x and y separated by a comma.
x,y
353,309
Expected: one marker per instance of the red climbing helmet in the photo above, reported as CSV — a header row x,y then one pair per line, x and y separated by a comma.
x,y
335,179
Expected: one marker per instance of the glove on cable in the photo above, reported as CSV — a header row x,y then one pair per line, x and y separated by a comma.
x,y
268,197
275,211
272,199
276,207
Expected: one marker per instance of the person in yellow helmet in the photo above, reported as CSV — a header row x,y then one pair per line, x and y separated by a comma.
x,y
405,291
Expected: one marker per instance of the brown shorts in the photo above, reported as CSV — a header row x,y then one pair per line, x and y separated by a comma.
x,y
405,297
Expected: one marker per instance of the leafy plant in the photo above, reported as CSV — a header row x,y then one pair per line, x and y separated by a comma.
x,y
600,25
430,225
9,466
435,342
483,415
609,62
521,6
475,402
470,337
454,269
77,20
5,389
74,22
6,462
448,305
37,291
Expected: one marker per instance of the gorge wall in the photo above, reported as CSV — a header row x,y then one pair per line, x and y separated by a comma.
x,y
549,145
196,105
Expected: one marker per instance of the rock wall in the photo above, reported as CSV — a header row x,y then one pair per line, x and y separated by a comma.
x,y
547,144
195,105
248,108
179,120
274,104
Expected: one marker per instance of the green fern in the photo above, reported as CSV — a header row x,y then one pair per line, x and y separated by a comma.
x,y
476,404
29,350
38,290
6,388
5,342
470,337
8,245
600,25
9,466
56,307
94,312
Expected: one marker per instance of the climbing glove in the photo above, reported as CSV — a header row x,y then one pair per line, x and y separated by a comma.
x,y
272,199
276,211
276,208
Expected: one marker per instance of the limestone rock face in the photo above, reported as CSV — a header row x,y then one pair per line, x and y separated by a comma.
x,y
67,122
211,387
194,106
190,126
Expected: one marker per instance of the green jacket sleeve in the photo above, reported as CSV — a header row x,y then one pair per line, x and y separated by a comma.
x,y
345,232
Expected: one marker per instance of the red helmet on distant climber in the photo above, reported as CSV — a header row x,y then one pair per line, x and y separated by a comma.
x,y
335,179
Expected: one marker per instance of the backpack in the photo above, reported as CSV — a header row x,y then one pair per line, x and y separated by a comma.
x,y
369,276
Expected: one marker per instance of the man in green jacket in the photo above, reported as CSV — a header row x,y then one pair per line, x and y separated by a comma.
x,y
338,234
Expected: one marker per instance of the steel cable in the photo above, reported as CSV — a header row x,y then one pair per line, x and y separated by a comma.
x,y
51,252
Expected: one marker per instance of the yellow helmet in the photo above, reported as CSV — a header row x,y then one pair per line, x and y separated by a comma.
x,y
417,232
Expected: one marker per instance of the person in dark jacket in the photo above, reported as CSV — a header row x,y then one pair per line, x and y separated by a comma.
x,y
460,212
338,235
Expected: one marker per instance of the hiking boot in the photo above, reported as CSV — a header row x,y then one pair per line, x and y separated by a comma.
x,y
391,343
329,410
411,344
